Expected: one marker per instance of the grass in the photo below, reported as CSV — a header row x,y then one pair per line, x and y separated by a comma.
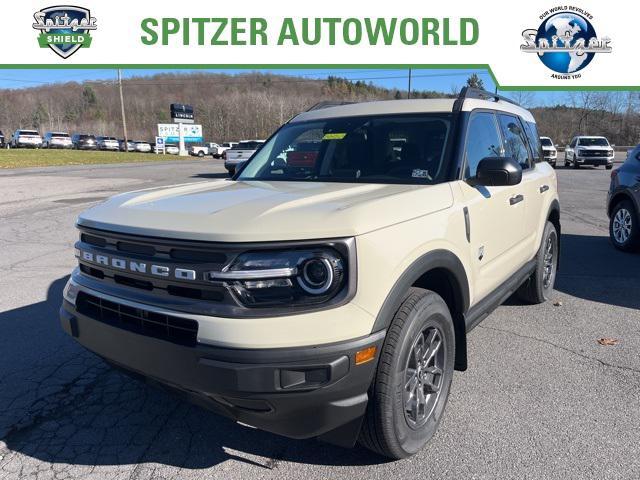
x,y
21,158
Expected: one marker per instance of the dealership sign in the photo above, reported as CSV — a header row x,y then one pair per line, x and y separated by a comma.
x,y
171,132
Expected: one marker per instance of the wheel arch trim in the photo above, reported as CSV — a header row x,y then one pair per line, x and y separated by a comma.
x,y
436,259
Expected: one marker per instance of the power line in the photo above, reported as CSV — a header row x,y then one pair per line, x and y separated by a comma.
x,y
247,79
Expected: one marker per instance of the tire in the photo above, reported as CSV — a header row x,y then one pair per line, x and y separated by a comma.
x,y
566,161
576,165
624,227
608,167
390,429
231,173
201,153
539,286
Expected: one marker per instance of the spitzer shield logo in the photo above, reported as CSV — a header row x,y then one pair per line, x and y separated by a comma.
x,y
64,28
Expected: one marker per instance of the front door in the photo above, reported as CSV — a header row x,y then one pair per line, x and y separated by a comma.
x,y
495,214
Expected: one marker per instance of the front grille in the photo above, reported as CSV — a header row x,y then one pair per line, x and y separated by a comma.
x,y
147,251
594,153
151,324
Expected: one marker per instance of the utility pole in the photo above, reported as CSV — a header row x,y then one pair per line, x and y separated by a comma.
x,y
409,89
124,119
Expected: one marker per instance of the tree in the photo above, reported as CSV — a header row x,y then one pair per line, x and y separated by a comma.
x,y
39,117
89,97
474,81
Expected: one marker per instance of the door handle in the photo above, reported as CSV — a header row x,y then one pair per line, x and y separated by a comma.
x,y
516,199
544,188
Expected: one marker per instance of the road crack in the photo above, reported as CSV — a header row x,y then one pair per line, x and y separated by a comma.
x,y
560,347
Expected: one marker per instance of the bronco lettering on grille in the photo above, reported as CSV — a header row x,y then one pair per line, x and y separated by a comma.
x,y
138,267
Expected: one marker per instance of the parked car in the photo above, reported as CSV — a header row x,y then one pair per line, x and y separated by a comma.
x,y
240,152
172,149
131,146
56,140
198,150
3,144
589,150
142,147
219,149
549,151
107,143
250,297
82,141
623,203
23,138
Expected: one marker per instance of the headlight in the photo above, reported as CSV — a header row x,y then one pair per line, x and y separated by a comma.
x,y
296,277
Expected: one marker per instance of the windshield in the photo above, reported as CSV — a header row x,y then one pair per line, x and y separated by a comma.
x,y
546,142
59,135
593,142
389,149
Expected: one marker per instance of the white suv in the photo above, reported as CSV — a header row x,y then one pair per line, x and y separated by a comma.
x,y
25,139
585,150
328,290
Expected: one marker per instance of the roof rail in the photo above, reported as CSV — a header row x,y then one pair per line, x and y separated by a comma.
x,y
328,104
469,92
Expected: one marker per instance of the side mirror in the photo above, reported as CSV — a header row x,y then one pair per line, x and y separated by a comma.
x,y
498,172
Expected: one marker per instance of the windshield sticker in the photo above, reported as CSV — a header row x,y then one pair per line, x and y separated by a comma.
x,y
334,136
418,173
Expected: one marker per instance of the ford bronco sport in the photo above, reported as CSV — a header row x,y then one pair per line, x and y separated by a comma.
x,y
326,290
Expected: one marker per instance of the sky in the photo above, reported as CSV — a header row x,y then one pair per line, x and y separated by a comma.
x,y
440,80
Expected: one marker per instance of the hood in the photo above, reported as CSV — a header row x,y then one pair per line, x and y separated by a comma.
x,y
229,211
594,147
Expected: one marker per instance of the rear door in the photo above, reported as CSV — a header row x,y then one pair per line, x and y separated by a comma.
x,y
495,214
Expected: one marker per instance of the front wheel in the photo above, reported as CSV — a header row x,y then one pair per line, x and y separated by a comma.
x,y
624,228
415,369
539,286
608,167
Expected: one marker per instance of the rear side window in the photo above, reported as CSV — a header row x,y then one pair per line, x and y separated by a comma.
x,y
482,141
534,141
515,140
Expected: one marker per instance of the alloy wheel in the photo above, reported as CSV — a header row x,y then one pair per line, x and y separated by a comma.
x,y
424,373
549,261
622,224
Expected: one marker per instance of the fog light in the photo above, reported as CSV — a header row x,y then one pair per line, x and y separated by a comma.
x,y
366,355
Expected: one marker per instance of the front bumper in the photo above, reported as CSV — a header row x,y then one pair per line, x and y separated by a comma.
x,y
595,161
296,392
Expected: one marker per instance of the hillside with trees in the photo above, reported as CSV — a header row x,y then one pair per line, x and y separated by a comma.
x,y
252,105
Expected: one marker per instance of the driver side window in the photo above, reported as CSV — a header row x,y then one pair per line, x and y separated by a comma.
x,y
482,141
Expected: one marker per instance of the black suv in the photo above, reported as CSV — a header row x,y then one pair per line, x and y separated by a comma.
x,y
623,203
84,142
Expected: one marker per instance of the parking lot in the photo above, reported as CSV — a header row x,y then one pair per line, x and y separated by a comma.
x,y
541,398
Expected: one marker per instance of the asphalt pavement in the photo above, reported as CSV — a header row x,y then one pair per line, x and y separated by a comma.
x,y
541,398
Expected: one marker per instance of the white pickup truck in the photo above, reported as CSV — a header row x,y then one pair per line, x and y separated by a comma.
x,y
239,153
216,150
198,150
